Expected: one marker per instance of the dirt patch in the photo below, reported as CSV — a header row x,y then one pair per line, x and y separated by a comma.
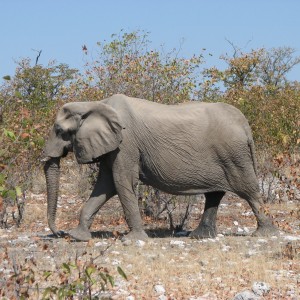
x,y
31,260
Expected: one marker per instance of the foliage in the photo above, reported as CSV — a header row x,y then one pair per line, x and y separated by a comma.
x,y
87,278
260,67
279,176
28,104
79,279
256,83
39,85
126,65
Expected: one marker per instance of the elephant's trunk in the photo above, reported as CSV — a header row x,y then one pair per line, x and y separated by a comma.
x,y
52,171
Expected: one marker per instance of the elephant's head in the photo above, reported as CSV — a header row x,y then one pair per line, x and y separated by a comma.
x,y
89,129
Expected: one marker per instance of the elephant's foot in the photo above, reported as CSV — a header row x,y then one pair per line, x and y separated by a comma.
x,y
135,235
266,230
203,232
80,234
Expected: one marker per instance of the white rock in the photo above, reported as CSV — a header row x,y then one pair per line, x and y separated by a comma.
x,y
240,230
207,296
159,289
252,252
246,295
140,243
130,298
246,229
263,241
162,297
292,238
247,213
177,243
104,296
226,248
7,271
236,223
260,288
24,238
99,244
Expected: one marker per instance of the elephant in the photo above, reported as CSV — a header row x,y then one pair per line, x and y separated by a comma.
x,y
185,149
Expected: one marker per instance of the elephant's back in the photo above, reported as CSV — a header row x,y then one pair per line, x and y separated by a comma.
x,y
193,119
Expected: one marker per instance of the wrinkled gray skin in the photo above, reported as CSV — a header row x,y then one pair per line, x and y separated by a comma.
x,y
180,149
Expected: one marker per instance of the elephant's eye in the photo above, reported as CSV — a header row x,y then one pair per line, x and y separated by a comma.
x,y
60,132
65,136
58,129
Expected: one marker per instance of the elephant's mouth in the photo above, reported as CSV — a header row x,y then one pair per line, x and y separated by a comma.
x,y
46,157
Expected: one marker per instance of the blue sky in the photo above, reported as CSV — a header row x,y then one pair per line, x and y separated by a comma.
x,y
60,28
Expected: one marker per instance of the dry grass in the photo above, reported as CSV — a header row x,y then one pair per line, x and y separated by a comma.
x,y
221,267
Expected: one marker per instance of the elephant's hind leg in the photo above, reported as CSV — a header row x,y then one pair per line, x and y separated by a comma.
x,y
265,226
207,226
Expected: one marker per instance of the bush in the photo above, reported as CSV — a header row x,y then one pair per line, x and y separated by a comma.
x,y
126,65
28,104
274,117
256,83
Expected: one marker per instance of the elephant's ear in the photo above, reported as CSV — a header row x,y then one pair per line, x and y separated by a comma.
x,y
99,132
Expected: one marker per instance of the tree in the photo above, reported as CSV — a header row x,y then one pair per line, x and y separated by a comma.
x,y
275,64
260,67
38,85
126,65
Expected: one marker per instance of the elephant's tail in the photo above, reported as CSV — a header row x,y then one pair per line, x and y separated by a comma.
x,y
253,155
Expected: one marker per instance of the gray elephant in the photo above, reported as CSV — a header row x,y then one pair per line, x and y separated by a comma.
x,y
183,149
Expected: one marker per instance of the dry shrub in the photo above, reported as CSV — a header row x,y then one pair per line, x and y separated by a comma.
x,y
273,115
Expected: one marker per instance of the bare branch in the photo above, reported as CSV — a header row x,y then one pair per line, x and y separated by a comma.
x,y
38,56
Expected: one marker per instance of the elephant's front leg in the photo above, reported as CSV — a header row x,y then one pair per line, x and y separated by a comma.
x,y
104,189
125,186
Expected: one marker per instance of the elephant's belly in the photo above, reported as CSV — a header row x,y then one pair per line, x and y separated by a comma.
x,y
177,184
